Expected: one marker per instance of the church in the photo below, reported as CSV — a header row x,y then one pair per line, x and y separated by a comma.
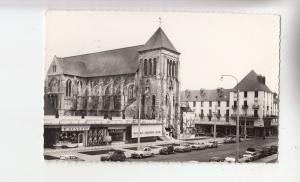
x,y
122,84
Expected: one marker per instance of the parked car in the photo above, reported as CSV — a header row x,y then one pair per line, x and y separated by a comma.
x,y
231,159
144,152
253,155
266,151
274,149
250,150
117,155
212,144
70,158
198,146
183,148
229,140
216,159
169,149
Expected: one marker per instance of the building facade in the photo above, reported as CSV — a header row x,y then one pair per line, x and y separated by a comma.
x,y
258,108
102,94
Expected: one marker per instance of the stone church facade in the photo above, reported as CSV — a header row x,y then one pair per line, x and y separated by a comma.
x,y
118,83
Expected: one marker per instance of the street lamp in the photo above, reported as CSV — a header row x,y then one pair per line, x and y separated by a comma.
x,y
237,118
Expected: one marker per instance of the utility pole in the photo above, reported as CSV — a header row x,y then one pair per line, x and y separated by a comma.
x,y
237,146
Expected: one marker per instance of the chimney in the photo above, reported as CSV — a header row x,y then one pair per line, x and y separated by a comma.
x,y
261,79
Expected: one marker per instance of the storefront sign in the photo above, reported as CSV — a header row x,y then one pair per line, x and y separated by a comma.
x,y
75,128
146,130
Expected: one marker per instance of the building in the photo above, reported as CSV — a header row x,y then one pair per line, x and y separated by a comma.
x,y
89,97
258,108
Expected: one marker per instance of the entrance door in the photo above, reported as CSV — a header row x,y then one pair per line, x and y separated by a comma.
x,y
80,138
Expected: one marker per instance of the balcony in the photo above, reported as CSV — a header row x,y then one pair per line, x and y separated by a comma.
x,y
255,106
242,116
245,107
270,117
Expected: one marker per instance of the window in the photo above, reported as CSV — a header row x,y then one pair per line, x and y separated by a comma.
x,y
210,103
201,103
219,112
194,103
68,88
245,94
173,101
209,112
227,103
245,103
54,68
154,66
219,103
166,100
256,94
130,92
255,113
235,103
153,100
145,67
227,115
202,112
150,67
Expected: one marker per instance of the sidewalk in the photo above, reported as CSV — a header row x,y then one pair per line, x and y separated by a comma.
x,y
269,159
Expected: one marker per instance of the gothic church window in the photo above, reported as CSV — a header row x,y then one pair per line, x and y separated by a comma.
x,y
150,67
154,66
68,88
145,67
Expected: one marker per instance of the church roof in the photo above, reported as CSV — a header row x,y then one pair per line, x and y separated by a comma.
x,y
159,40
106,63
253,82
113,62
205,95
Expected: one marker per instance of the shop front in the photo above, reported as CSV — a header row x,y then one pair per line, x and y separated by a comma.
x,y
65,136
148,132
117,133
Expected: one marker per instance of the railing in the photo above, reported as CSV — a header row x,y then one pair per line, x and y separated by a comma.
x,y
234,107
270,116
255,106
244,107
233,116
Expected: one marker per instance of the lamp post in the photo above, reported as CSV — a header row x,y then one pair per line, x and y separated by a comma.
x,y
237,149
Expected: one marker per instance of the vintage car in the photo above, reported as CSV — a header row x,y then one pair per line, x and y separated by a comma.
x,y
70,158
117,155
184,147
169,149
198,146
212,144
274,149
253,155
230,140
143,152
216,159
231,159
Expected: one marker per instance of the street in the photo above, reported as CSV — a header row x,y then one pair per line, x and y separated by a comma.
x,y
204,155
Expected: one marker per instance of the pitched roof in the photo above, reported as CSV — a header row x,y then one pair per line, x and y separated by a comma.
x,y
253,82
159,40
111,62
205,95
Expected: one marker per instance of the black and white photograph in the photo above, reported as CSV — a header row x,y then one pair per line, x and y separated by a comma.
x,y
161,87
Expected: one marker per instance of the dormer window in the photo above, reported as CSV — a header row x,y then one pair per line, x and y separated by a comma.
x,y
54,68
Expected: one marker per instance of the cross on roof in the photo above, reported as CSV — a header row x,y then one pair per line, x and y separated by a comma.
x,y
159,21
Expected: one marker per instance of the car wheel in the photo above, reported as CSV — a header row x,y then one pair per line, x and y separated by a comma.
x,y
141,156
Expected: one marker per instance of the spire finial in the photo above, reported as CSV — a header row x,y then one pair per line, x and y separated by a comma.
x,y
159,21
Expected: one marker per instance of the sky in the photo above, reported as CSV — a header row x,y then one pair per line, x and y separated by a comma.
x,y
211,44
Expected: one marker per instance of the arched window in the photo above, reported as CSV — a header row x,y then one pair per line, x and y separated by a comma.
x,y
176,70
150,66
145,67
107,91
167,67
54,67
153,100
130,92
154,66
68,88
